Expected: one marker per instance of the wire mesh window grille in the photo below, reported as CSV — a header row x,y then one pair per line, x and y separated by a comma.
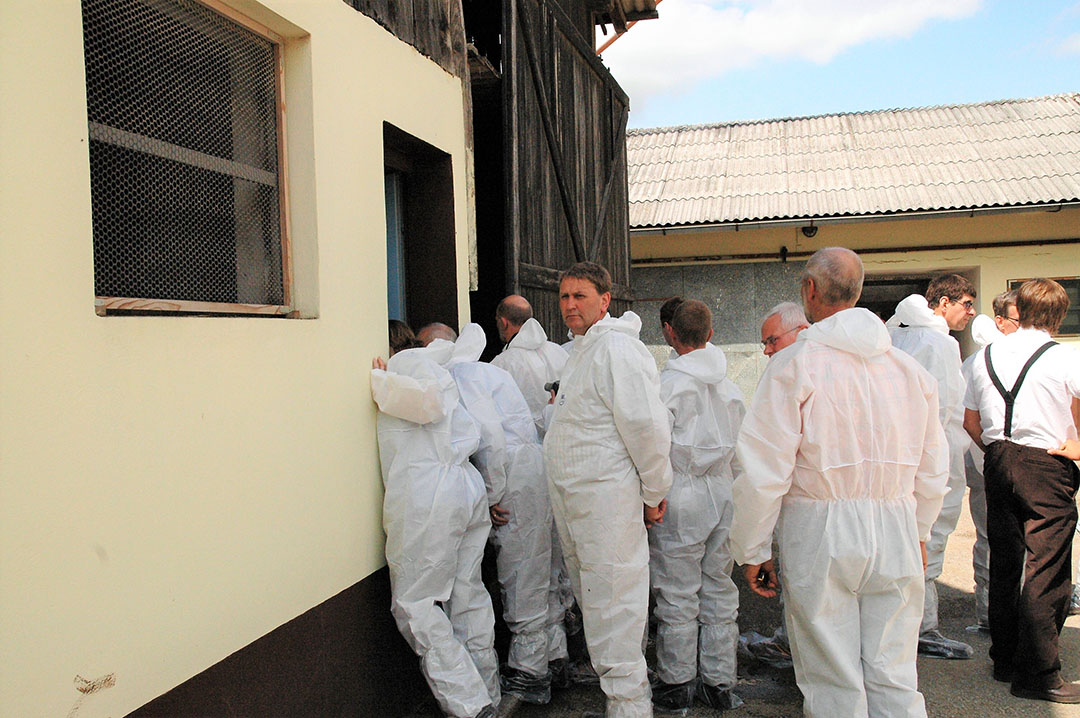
x,y
184,124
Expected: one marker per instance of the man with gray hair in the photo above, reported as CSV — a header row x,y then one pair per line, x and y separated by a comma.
x,y
842,446
781,326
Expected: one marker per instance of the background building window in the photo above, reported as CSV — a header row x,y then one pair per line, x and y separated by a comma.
x,y
1071,326
185,147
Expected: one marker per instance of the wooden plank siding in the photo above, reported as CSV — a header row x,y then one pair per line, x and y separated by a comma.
x,y
434,27
567,187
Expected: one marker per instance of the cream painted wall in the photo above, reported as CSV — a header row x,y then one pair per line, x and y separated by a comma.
x,y
173,488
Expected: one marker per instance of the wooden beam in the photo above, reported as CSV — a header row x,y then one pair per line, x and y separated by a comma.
x,y
569,206
616,164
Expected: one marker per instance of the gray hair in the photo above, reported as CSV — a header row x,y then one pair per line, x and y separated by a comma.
x,y
436,330
791,316
838,275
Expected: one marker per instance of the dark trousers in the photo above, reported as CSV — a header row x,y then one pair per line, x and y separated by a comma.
x,y
1030,506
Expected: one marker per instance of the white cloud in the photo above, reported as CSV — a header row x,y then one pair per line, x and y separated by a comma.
x,y
695,40
1070,45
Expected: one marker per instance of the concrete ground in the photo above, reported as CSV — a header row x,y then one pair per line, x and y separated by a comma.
x,y
953,689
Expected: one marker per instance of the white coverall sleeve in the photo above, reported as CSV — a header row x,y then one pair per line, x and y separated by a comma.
x,y
932,474
642,421
945,367
415,400
766,449
491,457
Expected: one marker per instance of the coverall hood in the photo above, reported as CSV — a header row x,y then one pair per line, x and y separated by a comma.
x,y
530,336
469,345
915,312
856,330
984,331
707,364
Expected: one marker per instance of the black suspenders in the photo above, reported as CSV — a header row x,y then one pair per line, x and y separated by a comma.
x,y
1010,396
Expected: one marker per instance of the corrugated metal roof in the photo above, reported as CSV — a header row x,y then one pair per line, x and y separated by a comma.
x,y
993,154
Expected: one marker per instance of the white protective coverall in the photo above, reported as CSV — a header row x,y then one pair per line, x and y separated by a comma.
x,y
606,452
926,338
983,331
435,515
843,444
511,460
697,603
534,361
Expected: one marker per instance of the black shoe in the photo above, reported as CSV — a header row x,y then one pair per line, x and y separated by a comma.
x,y
718,698
527,687
673,698
1003,674
934,645
560,673
1063,693
486,712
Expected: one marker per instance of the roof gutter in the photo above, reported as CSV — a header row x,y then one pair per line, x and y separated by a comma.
x,y
784,255
738,225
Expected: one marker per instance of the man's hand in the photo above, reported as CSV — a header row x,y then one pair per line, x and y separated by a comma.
x,y
922,550
655,515
762,578
1070,449
378,363
499,515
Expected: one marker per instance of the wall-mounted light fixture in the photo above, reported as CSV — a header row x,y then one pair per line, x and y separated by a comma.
x,y
809,231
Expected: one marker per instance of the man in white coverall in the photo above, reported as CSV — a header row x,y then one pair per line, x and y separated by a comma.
x,y
921,328
779,330
843,445
511,461
984,331
697,603
606,453
534,362
436,521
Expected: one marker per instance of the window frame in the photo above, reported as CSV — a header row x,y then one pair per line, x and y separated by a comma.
x,y
126,306
1011,284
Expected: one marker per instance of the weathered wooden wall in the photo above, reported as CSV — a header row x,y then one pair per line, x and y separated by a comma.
x,y
434,27
565,138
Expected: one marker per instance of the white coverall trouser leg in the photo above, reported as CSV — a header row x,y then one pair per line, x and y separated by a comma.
x,y
853,576
944,525
558,587
524,561
455,642
980,553
697,603
613,593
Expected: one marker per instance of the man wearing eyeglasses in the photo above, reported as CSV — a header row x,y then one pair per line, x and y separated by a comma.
x,y
921,328
781,326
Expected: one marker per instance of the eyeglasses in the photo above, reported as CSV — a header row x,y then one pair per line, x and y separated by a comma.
x,y
1014,320
769,341
969,304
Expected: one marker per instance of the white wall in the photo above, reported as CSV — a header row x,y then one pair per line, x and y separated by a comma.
x,y
173,488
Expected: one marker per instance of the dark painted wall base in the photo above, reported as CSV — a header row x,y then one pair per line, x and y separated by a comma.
x,y
344,657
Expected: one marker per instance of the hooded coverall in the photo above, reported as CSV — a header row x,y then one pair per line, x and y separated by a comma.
x,y
983,331
511,460
533,361
843,445
690,562
436,521
926,338
606,452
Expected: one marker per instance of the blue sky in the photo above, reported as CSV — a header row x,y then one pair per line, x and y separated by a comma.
x,y
725,60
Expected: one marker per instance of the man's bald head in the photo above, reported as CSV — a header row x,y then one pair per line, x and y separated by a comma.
x,y
512,312
436,330
832,281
